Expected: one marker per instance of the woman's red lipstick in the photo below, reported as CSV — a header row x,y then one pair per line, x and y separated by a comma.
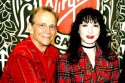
x,y
90,36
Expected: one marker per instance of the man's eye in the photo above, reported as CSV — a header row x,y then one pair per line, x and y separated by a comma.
x,y
52,26
42,25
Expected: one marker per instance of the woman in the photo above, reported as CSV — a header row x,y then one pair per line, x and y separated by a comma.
x,y
88,59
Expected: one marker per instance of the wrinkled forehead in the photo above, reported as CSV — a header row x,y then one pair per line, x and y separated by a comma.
x,y
43,14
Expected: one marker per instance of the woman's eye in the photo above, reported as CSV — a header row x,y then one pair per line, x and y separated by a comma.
x,y
84,25
96,25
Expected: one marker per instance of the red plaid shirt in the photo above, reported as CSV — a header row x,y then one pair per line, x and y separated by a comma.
x,y
104,71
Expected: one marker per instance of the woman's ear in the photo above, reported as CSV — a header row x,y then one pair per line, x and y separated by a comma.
x,y
30,28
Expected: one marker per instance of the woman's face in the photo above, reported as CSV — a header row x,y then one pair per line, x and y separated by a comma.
x,y
89,33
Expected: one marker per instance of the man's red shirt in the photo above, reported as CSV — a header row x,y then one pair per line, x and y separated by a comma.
x,y
27,64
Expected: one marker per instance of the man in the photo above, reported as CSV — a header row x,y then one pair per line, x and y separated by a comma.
x,y
34,60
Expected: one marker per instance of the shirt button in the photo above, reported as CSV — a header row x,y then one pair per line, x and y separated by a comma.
x,y
43,79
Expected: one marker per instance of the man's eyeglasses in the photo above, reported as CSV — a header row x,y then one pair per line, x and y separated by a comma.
x,y
43,25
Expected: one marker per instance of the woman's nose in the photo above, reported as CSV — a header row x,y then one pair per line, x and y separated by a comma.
x,y
90,30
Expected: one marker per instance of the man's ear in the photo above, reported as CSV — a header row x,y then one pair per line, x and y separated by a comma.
x,y
30,28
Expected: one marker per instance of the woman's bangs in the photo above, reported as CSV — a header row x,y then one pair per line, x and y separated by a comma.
x,y
90,19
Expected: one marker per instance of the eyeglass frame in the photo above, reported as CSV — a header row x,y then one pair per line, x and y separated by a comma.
x,y
44,25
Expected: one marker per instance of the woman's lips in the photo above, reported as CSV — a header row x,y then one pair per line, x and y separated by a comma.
x,y
90,37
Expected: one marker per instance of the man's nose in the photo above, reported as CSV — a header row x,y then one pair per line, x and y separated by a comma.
x,y
47,29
